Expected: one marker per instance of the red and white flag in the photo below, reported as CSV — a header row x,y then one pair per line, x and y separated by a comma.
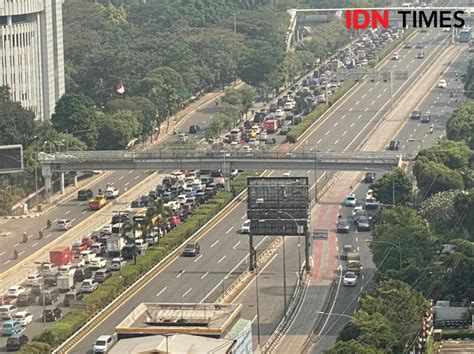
x,y
120,87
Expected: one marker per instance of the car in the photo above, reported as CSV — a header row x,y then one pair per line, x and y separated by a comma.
x,y
191,249
7,311
345,250
64,224
107,229
82,273
10,327
72,297
97,263
89,285
111,192
14,343
98,202
420,55
102,275
118,263
7,300
442,84
23,317
419,46
349,279
369,177
52,314
194,129
350,201
85,194
415,115
48,296
26,299
394,145
342,226
103,344
245,229
395,56
363,224
15,290
426,118
33,279
408,45
279,113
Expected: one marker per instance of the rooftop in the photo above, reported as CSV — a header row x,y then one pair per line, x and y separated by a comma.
x,y
197,319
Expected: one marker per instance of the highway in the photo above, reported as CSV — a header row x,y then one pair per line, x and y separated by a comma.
x,y
204,279
413,137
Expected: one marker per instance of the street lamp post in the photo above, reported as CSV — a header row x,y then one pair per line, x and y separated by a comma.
x,y
299,241
258,308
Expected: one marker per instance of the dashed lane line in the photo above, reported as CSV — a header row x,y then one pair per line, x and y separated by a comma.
x,y
162,291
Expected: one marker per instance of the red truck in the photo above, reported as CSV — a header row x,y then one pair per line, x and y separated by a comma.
x,y
271,126
60,255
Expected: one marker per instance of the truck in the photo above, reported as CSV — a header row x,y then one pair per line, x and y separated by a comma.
x,y
111,192
353,262
271,126
115,244
60,255
65,282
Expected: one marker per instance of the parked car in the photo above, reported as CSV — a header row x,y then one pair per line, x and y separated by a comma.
x,y
52,314
10,327
191,249
14,343
85,194
350,279
23,317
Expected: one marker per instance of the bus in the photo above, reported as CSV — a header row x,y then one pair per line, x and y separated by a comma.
x,y
465,35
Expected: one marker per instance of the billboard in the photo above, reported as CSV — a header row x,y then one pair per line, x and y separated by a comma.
x,y
11,159
278,206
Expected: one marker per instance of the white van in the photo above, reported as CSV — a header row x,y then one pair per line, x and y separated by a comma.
x,y
87,255
7,312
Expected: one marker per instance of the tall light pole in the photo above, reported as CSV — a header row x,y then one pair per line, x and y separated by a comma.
x,y
258,307
299,240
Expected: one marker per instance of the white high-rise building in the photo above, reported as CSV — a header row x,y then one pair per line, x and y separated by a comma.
x,y
31,53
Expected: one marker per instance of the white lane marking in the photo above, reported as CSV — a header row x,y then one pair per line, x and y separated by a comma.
x,y
362,276
350,109
379,96
16,244
359,117
20,253
254,318
162,291
366,109
352,124
49,235
126,184
187,292
334,302
1,254
372,103
385,89
335,124
244,216
408,66
317,143
180,274
357,239
370,89
327,133
363,96
230,229
205,274
121,178
55,220
7,262
85,211
197,259
307,172
220,260
67,212
343,116
35,244
235,246
131,171
337,140
137,177
215,243
72,220
358,249
357,103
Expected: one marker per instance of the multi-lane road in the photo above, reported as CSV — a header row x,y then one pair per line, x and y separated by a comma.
x,y
223,249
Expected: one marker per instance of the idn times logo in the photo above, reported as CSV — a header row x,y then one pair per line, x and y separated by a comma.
x,y
364,18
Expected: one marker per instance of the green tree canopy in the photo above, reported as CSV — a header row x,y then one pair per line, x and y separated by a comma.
x,y
117,130
76,114
393,184
460,126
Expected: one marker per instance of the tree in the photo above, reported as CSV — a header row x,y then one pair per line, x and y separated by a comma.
x,y
464,207
460,126
440,212
353,347
393,184
117,130
76,114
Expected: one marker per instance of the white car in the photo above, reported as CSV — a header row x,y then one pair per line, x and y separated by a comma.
x,y
23,317
15,290
64,224
442,84
181,199
107,229
350,279
395,56
245,229
173,205
68,269
118,263
89,285
103,344
287,174
33,279
97,263
279,113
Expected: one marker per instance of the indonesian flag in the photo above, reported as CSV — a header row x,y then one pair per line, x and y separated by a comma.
x,y
120,87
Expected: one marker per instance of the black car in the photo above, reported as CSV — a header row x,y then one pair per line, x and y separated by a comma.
x,y
369,177
84,194
120,217
415,115
14,343
345,250
82,273
408,45
194,129
426,118
52,314
363,224
419,46
394,145
72,297
191,250
137,204
342,225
